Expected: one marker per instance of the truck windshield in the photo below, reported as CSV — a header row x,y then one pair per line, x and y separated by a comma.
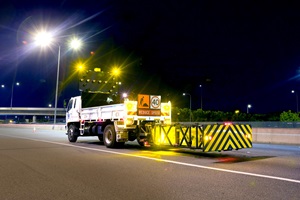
x,y
70,105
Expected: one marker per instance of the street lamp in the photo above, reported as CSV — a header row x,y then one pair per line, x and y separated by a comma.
x,y
201,95
248,107
46,39
184,94
12,93
293,91
125,96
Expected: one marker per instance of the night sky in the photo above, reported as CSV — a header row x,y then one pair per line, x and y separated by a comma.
x,y
241,52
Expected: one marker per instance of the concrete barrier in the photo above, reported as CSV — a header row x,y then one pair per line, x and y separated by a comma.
x,y
276,135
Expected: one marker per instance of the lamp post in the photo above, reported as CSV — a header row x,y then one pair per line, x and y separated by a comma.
x,y
12,93
201,97
293,91
248,107
46,39
184,94
56,89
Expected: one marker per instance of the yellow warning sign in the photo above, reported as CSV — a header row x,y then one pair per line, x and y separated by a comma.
x,y
143,101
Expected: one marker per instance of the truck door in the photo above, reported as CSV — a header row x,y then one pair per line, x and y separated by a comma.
x,y
69,107
72,114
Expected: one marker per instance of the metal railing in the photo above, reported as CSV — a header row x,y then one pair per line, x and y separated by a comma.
x,y
273,124
254,124
31,111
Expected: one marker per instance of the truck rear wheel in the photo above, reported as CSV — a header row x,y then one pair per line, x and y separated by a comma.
x,y
72,133
109,136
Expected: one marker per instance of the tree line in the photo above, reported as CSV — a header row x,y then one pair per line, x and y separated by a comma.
x,y
184,115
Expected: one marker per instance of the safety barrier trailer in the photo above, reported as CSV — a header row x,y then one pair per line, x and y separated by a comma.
x,y
210,137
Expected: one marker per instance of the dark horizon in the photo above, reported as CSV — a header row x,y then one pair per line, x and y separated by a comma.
x,y
240,52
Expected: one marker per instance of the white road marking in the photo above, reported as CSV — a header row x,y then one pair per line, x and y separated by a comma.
x,y
163,160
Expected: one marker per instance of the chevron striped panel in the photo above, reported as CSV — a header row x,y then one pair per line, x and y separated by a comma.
x,y
219,137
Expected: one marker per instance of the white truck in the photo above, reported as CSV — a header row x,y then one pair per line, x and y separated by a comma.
x,y
94,114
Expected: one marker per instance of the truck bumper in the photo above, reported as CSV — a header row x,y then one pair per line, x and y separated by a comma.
x,y
122,136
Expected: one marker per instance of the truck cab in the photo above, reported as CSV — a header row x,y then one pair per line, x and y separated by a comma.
x,y
73,109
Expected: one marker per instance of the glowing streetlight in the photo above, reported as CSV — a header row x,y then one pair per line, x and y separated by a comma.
x,y
184,94
80,67
248,107
46,39
43,38
293,91
125,96
75,43
116,71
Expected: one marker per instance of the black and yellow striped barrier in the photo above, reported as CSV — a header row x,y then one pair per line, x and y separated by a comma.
x,y
215,137
226,137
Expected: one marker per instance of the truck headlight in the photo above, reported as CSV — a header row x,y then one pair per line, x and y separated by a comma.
x,y
129,121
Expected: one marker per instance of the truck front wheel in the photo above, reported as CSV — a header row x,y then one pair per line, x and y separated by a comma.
x,y
109,136
72,133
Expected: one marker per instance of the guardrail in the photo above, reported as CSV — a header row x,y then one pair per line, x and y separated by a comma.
x,y
254,124
32,111
273,124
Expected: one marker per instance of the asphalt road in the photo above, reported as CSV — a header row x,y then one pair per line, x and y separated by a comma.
x,y
42,164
